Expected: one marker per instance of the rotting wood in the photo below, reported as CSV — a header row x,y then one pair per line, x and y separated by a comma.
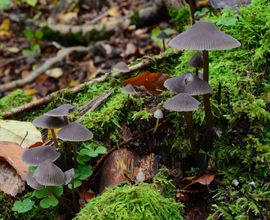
x,y
145,62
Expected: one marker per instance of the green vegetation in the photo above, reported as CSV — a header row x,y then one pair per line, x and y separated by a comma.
x,y
131,202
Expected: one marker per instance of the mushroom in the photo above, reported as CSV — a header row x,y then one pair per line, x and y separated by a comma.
x,y
162,36
75,132
61,111
158,114
37,155
204,36
50,123
129,90
31,181
190,83
48,174
121,67
196,61
184,102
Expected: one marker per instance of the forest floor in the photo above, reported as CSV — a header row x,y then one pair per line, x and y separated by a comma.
x,y
46,49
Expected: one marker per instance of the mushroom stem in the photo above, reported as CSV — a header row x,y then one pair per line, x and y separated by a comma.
x,y
156,126
206,103
163,43
192,6
188,119
74,155
54,138
60,200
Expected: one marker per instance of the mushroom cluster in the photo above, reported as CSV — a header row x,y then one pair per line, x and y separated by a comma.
x,y
46,173
202,36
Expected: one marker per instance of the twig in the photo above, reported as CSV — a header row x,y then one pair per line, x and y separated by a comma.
x,y
146,61
45,66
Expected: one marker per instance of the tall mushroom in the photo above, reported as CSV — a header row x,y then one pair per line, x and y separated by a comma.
x,y
184,102
204,36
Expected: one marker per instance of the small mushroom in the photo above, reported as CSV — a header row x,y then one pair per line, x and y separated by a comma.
x,y
50,123
158,114
129,90
196,61
37,155
162,36
48,174
185,103
60,111
75,132
196,86
121,67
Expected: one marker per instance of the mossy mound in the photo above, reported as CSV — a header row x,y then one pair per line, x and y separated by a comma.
x,y
131,202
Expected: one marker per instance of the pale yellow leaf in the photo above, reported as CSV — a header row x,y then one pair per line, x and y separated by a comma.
x,y
114,12
15,131
55,73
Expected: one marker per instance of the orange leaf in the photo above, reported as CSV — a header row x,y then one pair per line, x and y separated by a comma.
x,y
205,179
12,152
153,82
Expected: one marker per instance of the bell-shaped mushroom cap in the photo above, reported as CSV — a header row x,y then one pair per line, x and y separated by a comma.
x,y
69,174
121,67
175,84
48,174
48,122
203,36
37,155
197,86
129,89
162,35
158,114
182,103
32,182
62,110
75,132
196,61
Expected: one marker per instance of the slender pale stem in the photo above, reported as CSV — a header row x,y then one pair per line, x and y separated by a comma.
x,y
207,105
156,126
188,119
54,138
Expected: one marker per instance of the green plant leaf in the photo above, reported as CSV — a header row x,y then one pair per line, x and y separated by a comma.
x,y
101,150
58,190
29,34
41,193
76,183
83,172
4,4
88,152
27,53
31,2
47,202
23,206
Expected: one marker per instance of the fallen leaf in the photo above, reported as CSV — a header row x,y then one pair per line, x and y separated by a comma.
x,y
10,182
24,133
11,153
30,92
205,179
153,82
54,73
114,12
13,49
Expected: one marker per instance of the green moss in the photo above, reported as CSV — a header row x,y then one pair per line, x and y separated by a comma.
x,y
181,17
13,100
131,203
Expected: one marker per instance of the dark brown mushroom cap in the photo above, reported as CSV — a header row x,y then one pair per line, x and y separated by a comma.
x,y
203,36
122,67
196,60
32,182
48,122
196,86
182,102
129,89
48,174
37,155
75,132
62,110
162,35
